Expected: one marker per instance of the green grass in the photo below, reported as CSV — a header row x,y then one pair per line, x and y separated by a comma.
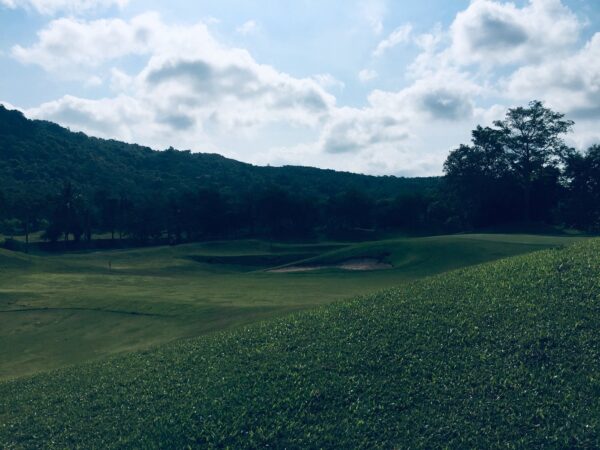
x,y
500,355
60,310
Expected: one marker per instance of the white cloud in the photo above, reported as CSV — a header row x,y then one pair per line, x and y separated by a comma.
x,y
374,11
398,36
210,20
51,7
102,117
429,42
498,33
247,28
354,130
93,81
380,141
196,92
192,92
328,81
120,81
446,96
231,84
433,57
186,64
571,84
393,134
69,45
366,75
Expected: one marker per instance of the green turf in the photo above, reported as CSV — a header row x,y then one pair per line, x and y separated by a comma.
x,y
65,309
500,355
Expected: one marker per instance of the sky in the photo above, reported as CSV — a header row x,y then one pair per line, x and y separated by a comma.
x,y
371,86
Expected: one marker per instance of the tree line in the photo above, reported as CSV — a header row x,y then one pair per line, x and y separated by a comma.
x,y
205,213
519,170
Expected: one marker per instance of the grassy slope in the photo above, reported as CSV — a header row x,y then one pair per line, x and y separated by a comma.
x,y
65,309
501,355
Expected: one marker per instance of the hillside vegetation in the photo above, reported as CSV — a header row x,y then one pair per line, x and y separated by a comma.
x,y
39,157
500,355
71,186
64,186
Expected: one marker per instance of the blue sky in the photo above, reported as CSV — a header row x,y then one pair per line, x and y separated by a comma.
x,y
372,86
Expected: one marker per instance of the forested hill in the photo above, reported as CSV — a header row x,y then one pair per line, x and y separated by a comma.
x,y
38,157
68,184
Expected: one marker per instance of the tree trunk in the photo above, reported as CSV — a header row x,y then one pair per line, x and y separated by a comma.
x,y
527,202
26,237
527,187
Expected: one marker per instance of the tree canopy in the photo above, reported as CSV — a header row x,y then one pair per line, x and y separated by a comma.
x,y
521,169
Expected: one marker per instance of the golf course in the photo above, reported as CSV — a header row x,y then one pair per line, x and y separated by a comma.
x,y
203,345
64,309
364,224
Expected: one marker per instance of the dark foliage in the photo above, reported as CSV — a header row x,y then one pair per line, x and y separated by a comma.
x,y
582,205
521,170
71,186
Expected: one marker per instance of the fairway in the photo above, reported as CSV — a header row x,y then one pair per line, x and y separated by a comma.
x,y
58,310
500,355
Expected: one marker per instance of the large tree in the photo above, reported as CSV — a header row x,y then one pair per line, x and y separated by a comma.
x,y
479,183
512,167
532,138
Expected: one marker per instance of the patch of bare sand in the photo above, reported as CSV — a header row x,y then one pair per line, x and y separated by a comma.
x,y
358,264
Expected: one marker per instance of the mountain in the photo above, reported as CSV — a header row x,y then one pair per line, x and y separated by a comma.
x,y
39,157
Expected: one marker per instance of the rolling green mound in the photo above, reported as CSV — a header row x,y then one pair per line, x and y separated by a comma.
x,y
416,257
500,355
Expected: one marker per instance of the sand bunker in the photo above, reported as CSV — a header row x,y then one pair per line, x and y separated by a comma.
x,y
360,264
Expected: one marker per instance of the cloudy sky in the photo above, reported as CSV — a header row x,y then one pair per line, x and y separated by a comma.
x,y
372,86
